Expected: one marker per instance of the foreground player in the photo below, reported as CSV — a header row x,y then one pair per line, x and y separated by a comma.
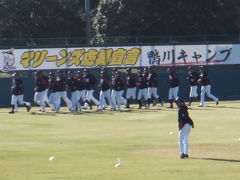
x,y
185,124
54,97
17,94
142,89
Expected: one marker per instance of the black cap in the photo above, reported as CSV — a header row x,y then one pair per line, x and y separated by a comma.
x,y
51,74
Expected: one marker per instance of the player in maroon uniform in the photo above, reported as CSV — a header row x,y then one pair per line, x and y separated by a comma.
x,y
17,94
131,87
62,89
73,87
192,77
142,88
90,82
41,89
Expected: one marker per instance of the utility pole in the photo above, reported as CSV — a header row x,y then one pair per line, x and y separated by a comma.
x,y
88,21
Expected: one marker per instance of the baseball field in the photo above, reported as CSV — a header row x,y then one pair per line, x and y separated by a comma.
x,y
85,146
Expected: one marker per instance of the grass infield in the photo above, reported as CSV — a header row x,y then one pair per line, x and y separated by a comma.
x,y
86,145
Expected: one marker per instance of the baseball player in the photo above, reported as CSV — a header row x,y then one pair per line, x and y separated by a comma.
x,y
185,124
152,88
81,87
174,87
192,77
131,87
41,90
17,94
73,87
113,91
54,97
62,89
142,88
118,85
206,87
90,81
105,90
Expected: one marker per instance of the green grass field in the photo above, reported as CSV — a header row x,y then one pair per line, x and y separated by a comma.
x,y
85,146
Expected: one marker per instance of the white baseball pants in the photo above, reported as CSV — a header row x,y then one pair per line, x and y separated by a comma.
x,y
152,92
173,93
193,91
63,95
206,90
18,99
131,93
142,93
183,138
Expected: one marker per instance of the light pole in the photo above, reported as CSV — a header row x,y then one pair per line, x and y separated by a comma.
x,y
88,21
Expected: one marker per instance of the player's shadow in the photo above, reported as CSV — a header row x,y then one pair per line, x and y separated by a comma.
x,y
218,159
43,113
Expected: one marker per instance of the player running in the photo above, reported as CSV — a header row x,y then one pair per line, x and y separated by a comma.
x,y
142,89
174,87
17,94
131,87
73,87
206,87
54,97
192,77
90,81
152,88
104,90
62,89
41,90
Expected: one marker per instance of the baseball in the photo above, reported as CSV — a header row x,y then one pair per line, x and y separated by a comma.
x,y
51,158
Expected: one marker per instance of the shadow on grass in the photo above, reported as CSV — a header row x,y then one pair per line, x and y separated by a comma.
x,y
218,159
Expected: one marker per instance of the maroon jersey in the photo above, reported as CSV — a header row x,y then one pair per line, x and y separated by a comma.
x,y
17,86
53,86
61,83
152,80
81,83
118,84
104,83
41,83
131,81
90,81
72,84
142,81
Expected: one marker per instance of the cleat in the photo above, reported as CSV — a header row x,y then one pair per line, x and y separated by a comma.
x,y
182,156
217,102
11,112
170,107
185,155
200,106
28,108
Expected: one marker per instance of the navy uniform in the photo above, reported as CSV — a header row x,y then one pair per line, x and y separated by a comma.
x,y
152,88
192,77
41,90
54,97
142,88
104,90
118,86
17,94
73,87
174,87
90,81
131,87
206,88
185,124
62,89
